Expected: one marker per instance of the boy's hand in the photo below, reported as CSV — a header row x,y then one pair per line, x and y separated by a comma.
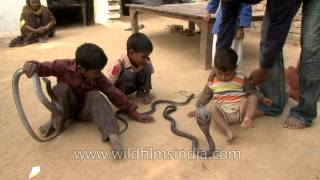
x,y
191,114
207,16
257,76
239,33
145,118
267,101
29,69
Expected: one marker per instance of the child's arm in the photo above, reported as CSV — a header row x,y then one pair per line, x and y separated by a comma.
x,y
29,69
205,97
45,69
251,90
244,20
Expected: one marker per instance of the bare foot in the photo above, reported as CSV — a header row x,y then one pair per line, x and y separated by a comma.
x,y
247,123
293,123
229,136
46,129
117,148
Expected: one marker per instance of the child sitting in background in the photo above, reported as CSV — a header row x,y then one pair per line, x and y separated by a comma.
x,y
132,71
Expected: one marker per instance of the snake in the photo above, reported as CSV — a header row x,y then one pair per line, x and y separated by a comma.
x,y
52,107
153,106
203,117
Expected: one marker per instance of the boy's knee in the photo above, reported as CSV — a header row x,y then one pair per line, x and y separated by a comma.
x,y
97,103
61,88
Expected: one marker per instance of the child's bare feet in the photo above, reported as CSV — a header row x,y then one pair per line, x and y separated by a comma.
x,y
293,123
247,123
46,130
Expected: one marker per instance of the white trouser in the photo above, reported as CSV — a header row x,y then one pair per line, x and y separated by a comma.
x,y
236,45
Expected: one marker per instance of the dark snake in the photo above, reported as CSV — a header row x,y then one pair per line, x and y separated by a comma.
x,y
203,118
153,109
54,108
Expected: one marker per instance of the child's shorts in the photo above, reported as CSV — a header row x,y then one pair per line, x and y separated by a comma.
x,y
231,111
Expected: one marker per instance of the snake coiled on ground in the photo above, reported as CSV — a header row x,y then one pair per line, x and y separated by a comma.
x,y
153,109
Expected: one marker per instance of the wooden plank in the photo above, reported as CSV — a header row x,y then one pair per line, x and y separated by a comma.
x,y
195,10
206,44
192,10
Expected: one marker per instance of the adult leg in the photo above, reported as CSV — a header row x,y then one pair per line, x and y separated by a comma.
x,y
274,86
228,23
309,76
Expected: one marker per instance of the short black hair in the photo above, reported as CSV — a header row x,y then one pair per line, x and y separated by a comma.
x,y
140,43
90,56
225,59
28,2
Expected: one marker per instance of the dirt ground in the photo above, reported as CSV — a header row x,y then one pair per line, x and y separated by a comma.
x,y
268,151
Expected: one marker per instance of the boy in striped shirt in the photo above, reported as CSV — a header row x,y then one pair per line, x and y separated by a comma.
x,y
235,101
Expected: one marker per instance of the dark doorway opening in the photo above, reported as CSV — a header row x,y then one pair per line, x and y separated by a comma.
x,y
72,12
